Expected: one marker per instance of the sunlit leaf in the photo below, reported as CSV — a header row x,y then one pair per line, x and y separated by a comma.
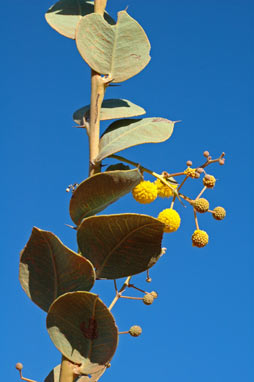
x,y
111,109
65,15
98,191
83,330
49,269
131,132
120,50
120,245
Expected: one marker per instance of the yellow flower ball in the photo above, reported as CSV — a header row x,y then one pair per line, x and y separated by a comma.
x,y
145,192
201,205
163,190
191,172
199,238
219,213
170,218
209,181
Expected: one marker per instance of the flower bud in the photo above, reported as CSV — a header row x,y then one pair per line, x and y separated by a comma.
x,y
206,154
135,331
19,366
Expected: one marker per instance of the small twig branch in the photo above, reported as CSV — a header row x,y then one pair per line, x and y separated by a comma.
x,y
196,218
210,160
133,286
144,169
120,292
132,298
201,192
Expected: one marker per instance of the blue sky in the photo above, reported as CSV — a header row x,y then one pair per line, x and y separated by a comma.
x,y
201,326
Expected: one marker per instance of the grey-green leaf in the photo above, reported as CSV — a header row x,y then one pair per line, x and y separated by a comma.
x,y
98,191
120,50
120,245
83,330
49,269
131,132
111,109
65,15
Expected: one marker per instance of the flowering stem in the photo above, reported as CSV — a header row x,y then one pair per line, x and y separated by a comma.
x,y
180,186
119,294
25,379
124,332
132,298
133,286
144,169
196,218
201,192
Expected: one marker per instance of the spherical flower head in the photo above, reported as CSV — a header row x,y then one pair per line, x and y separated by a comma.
x,y
135,331
199,238
148,299
170,218
219,213
209,181
191,172
163,190
201,205
145,192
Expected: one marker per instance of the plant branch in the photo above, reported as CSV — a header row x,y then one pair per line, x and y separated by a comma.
x,y
98,87
67,373
119,294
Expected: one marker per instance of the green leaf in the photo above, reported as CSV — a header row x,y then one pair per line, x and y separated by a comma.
x,y
131,132
111,109
65,15
83,330
97,192
48,269
54,375
120,50
120,245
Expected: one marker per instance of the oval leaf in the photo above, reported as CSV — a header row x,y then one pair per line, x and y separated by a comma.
x,y
120,245
65,15
111,109
83,330
120,50
100,190
48,269
131,132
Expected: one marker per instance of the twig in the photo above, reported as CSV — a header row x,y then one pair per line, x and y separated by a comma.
x,y
201,192
196,218
119,294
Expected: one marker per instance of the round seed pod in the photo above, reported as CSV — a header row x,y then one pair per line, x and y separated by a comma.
x,y
135,331
148,299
